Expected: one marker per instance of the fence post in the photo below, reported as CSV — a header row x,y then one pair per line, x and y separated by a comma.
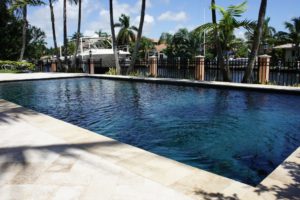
x,y
153,66
199,69
53,66
264,68
92,66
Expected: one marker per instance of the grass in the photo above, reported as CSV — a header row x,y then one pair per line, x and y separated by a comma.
x,y
8,71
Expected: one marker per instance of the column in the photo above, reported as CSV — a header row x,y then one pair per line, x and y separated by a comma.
x,y
199,68
264,68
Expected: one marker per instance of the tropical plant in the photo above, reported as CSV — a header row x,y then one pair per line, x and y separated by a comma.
x,y
65,29
20,6
224,31
101,33
294,33
126,33
78,34
268,34
165,38
54,33
256,41
113,35
183,44
146,45
138,39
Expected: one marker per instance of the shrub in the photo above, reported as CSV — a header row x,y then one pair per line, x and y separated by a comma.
x,y
111,71
16,65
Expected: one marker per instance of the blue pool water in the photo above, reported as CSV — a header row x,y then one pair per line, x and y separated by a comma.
x,y
242,135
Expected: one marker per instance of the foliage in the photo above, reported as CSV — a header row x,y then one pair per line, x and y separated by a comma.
x,y
227,25
182,44
74,36
126,33
111,71
16,66
11,37
101,33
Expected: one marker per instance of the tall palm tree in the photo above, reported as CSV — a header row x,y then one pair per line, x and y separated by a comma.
x,y
20,6
54,33
113,35
139,35
225,31
294,33
65,30
257,37
78,32
221,63
126,33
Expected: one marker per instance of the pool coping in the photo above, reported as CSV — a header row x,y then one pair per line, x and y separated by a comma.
x,y
172,81
186,179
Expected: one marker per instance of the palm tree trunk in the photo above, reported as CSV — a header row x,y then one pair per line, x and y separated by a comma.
x,y
24,32
113,34
138,39
78,35
224,69
256,41
54,34
65,31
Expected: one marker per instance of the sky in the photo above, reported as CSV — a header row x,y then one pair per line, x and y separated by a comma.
x,y
161,15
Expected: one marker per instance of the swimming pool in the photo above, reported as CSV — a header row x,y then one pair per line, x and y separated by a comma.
x,y
242,135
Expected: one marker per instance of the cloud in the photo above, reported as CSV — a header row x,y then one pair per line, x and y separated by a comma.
x,y
172,16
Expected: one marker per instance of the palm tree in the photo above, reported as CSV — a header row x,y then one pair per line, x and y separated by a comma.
x,y
268,34
294,33
78,35
257,37
139,35
101,33
21,7
165,38
113,35
221,62
224,32
54,33
126,33
65,30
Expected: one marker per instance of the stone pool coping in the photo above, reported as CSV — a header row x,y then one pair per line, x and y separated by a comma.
x,y
173,177
208,84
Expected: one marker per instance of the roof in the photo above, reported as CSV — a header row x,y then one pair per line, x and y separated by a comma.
x,y
160,47
285,46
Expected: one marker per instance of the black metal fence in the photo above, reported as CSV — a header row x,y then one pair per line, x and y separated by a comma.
x,y
281,72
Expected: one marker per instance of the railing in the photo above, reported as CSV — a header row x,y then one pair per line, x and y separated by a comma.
x,y
280,72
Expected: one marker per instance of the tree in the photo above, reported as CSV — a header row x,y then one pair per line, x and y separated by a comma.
x,y
294,33
113,35
224,32
138,39
165,38
56,51
78,32
65,30
221,63
268,34
256,41
21,7
126,33
101,33
146,46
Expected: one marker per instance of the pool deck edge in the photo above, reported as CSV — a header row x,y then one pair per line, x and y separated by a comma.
x,y
32,130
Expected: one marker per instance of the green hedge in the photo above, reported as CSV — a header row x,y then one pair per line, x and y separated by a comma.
x,y
16,66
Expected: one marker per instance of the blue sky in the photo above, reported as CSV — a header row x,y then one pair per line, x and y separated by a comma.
x,y
161,15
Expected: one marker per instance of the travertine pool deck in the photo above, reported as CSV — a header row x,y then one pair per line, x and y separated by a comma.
x,y
46,158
